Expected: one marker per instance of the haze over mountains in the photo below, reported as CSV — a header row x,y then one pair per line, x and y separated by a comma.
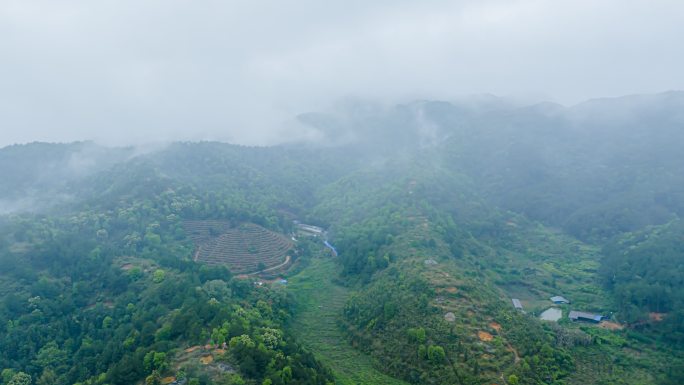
x,y
443,192
440,214
560,164
126,73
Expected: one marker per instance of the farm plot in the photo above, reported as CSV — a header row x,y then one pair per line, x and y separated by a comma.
x,y
203,231
244,248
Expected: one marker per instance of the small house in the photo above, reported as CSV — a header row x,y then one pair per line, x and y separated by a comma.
x,y
310,230
559,300
583,316
517,304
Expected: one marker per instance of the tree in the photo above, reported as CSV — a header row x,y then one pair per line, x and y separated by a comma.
x,y
181,375
286,375
47,378
158,276
51,356
153,379
7,375
422,351
153,239
20,378
135,273
417,334
155,361
436,353
160,362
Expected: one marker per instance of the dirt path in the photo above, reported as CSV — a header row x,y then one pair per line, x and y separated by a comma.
x,y
319,306
276,267
515,353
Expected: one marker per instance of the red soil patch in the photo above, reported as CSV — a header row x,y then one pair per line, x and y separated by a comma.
x,y
611,325
484,336
192,349
495,326
656,317
168,380
219,351
206,360
127,266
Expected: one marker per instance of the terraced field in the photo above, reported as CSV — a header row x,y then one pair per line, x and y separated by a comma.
x,y
319,308
243,248
202,231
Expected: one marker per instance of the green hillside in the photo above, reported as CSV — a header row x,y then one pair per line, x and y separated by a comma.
x,y
320,302
120,266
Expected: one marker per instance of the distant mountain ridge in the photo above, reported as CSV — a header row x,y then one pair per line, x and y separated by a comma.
x,y
565,166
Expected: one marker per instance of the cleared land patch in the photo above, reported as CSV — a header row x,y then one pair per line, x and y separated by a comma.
x,y
246,247
484,336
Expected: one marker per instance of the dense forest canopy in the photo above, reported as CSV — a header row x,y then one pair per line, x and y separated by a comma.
x,y
439,213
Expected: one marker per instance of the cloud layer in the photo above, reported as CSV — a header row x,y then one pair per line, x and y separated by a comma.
x,y
124,71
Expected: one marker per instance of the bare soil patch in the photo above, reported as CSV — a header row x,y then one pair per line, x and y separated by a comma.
x,y
611,325
484,336
206,360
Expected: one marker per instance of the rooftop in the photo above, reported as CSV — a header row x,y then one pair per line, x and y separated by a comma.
x,y
580,315
516,303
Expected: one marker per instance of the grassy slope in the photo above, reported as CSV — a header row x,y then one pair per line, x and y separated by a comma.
x,y
540,263
320,303
534,264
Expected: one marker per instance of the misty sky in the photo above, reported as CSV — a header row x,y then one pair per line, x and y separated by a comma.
x,y
124,71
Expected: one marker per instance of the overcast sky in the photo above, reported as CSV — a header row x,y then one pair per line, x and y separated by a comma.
x,y
127,71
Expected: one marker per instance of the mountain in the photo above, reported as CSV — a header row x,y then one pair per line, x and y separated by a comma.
x,y
116,262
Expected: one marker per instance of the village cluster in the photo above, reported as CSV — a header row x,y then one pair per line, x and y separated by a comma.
x,y
555,313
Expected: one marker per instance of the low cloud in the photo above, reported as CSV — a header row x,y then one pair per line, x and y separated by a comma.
x,y
122,72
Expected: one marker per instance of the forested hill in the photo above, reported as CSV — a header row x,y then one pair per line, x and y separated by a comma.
x,y
595,169
441,212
